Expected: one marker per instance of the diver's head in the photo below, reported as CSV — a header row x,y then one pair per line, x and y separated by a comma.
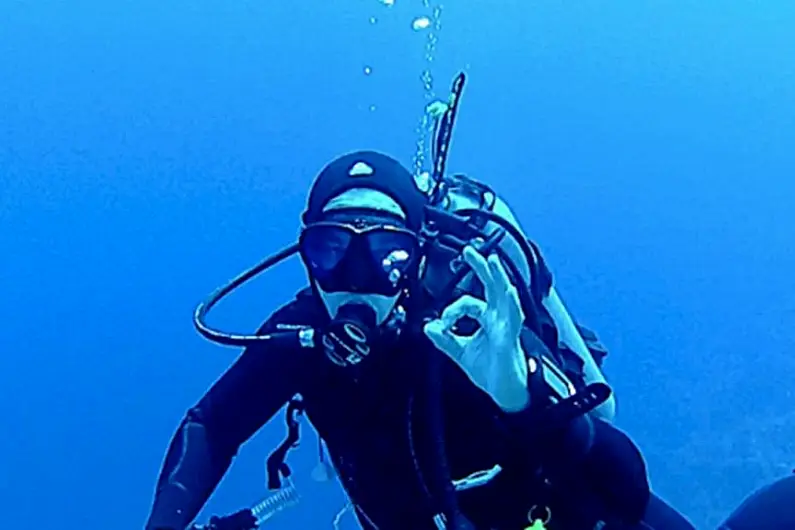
x,y
359,240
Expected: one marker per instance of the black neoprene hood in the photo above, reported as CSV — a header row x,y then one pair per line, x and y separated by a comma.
x,y
371,170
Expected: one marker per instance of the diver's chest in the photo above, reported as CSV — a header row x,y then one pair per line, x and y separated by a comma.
x,y
395,428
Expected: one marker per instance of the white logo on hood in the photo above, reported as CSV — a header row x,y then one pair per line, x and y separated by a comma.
x,y
360,169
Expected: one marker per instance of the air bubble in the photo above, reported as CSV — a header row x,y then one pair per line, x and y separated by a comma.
x,y
421,23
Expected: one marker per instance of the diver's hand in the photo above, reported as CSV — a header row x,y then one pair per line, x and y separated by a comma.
x,y
492,357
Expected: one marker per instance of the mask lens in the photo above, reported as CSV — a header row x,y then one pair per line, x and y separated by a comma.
x,y
370,260
392,250
324,247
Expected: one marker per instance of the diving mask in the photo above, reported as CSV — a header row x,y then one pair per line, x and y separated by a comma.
x,y
359,257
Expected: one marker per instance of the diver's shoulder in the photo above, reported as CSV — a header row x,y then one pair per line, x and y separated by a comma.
x,y
303,310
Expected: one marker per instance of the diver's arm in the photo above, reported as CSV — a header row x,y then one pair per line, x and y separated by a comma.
x,y
190,473
251,391
585,447
564,322
616,470
588,449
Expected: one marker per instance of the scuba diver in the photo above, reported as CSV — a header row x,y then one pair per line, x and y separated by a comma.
x,y
435,360
398,429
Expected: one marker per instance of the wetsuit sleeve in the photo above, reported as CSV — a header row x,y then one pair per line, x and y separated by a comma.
x,y
241,401
586,446
595,452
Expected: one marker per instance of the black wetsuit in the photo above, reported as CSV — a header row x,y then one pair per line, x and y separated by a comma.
x,y
376,432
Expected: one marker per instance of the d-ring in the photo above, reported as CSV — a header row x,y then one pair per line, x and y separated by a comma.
x,y
531,517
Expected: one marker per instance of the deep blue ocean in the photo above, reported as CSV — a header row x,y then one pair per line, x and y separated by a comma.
x,y
149,151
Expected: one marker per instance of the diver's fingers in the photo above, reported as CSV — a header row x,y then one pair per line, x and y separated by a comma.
x,y
466,306
443,339
498,274
480,266
511,305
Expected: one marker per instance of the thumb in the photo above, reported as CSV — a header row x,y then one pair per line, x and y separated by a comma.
x,y
442,338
